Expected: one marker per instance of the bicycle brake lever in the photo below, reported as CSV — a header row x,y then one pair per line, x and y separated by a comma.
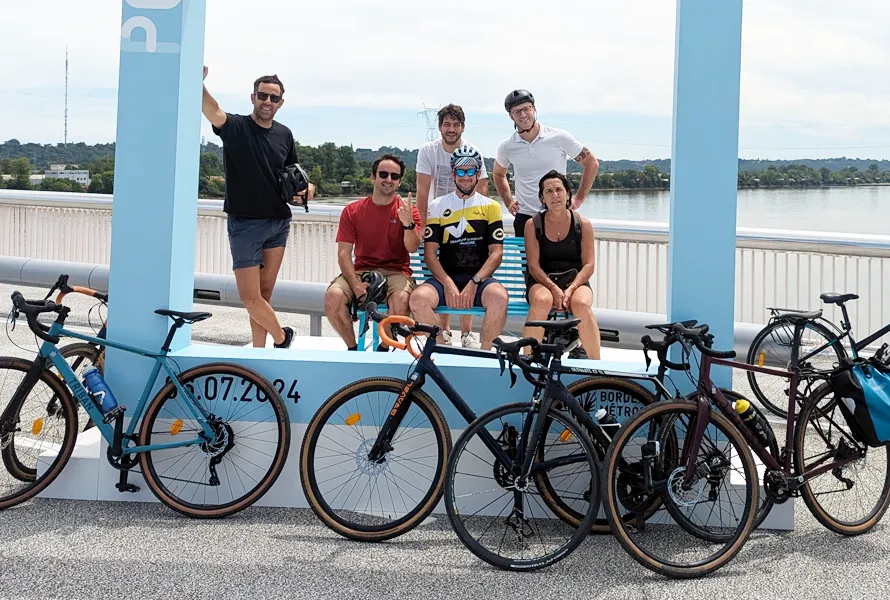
x,y
648,360
512,374
501,362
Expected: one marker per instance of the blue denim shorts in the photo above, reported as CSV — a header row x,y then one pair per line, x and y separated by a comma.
x,y
249,237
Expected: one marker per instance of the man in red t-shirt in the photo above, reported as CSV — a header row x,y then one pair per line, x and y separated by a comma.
x,y
384,229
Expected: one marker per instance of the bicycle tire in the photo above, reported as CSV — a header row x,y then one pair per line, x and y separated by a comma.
x,y
580,531
577,388
766,501
611,502
779,406
282,433
10,457
308,468
847,528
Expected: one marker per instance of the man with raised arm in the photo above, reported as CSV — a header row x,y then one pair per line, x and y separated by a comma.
x,y
382,230
534,150
255,149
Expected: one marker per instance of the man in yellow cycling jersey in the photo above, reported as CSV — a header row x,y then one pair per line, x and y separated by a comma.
x,y
463,246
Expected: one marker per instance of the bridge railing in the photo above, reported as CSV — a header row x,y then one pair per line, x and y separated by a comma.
x,y
785,268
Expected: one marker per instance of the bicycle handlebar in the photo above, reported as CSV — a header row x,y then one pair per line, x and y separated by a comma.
x,y
684,332
64,289
32,309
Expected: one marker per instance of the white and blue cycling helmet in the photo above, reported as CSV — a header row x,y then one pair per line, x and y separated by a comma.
x,y
466,156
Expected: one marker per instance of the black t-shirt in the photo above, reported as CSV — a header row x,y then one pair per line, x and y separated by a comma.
x,y
253,157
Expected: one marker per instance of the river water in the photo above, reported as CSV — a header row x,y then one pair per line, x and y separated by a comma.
x,y
861,209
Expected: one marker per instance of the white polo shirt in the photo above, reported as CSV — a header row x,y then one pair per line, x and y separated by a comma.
x,y
550,150
435,161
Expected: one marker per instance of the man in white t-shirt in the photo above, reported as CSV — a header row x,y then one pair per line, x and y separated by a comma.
x,y
435,179
534,150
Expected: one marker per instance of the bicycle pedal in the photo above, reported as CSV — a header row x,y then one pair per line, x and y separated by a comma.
x,y
126,487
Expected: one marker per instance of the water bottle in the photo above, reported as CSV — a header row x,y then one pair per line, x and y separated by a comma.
x,y
607,422
99,390
754,420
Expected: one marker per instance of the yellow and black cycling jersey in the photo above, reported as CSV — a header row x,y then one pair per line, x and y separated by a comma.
x,y
464,229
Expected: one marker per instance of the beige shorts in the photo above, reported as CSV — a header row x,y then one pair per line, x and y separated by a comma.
x,y
395,281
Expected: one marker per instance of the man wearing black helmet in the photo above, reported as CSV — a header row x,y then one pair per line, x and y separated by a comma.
x,y
533,150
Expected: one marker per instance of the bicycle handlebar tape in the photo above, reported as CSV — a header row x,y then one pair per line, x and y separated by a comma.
x,y
726,354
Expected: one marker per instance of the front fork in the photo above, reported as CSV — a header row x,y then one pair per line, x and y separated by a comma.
x,y
382,445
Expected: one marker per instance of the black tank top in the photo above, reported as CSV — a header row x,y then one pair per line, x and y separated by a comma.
x,y
562,255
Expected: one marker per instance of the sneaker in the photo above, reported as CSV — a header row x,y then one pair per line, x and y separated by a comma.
x,y
468,340
446,336
288,338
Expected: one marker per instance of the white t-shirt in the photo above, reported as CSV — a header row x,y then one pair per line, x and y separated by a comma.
x,y
435,161
532,160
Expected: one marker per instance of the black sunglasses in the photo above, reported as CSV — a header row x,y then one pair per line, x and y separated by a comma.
x,y
385,174
263,96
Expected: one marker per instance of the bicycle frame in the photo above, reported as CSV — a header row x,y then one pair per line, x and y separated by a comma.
x,y
709,392
49,351
845,331
552,390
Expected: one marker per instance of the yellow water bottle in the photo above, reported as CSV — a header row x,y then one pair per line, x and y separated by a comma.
x,y
754,421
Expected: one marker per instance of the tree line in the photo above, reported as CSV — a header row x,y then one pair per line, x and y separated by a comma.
x,y
331,166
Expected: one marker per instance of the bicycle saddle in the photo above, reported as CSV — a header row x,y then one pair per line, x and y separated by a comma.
x,y
188,317
795,317
560,325
830,298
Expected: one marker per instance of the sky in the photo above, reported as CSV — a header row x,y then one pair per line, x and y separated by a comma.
x,y
815,78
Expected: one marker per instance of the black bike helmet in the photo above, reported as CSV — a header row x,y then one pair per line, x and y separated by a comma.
x,y
517,97
376,289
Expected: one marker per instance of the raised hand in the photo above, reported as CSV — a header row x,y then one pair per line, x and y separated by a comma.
x,y
406,214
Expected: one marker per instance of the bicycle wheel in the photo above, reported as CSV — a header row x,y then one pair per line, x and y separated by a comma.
x,y
36,443
367,500
772,348
623,399
482,494
722,495
823,436
79,356
242,462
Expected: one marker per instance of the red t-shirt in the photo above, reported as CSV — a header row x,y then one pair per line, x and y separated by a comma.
x,y
377,235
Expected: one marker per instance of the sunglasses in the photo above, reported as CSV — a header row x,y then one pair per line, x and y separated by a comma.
x,y
465,172
387,174
263,96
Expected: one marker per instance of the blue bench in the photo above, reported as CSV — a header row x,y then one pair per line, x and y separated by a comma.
x,y
511,273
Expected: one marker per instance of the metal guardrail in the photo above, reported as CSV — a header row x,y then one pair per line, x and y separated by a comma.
x,y
785,268
303,297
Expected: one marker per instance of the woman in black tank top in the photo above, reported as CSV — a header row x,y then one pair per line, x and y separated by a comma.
x,y
558,240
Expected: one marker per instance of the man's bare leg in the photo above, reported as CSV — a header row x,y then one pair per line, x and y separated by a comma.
x,y
248,282
336,309
272,259
494,299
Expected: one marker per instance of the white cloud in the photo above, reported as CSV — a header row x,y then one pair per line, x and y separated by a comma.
x,y
816,68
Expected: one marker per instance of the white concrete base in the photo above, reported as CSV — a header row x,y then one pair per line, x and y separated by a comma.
x,y
321,369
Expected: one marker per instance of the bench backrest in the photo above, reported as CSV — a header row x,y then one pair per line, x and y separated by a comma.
x,y
511,273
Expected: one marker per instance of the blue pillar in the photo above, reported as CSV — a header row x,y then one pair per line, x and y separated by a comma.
x,y
704,168
155,180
